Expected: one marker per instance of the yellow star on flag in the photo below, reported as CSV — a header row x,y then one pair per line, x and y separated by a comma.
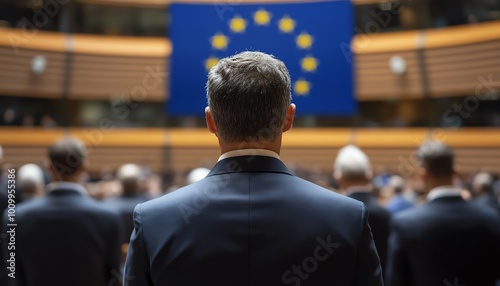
x,y
238,24
304,40
219,41
286,24
262,17
211,62
302,87
309,64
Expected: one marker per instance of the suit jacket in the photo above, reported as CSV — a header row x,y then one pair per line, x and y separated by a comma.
x,y
66,238
488,200
251,222
125,206
448,241
379,219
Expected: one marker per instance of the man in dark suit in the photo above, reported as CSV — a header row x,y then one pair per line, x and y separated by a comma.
x,y
447,241
484,195
353,173
250,221
65,238
130,179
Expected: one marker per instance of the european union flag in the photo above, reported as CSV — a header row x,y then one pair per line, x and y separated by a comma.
x,y
311,38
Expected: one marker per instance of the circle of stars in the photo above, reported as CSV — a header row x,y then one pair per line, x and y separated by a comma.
x,y
286,25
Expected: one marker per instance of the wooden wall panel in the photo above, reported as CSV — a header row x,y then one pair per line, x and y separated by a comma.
x,y
16,77
375,80
457,71
102,66
101,77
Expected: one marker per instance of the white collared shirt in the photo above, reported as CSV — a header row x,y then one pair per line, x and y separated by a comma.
x,y
443,191
249,152
66,186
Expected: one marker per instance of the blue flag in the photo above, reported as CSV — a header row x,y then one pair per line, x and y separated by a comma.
x,y
311,38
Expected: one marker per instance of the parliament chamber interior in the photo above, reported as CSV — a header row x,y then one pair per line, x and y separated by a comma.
x,y
127,78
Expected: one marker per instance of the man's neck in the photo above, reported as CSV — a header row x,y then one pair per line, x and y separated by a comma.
x,y
435,183
274,146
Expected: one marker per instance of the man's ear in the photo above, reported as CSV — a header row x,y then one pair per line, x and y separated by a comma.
x,y
422,172
290,114
210,121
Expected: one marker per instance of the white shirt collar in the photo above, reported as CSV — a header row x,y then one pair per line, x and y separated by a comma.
x,y
249,152
67,186
443,191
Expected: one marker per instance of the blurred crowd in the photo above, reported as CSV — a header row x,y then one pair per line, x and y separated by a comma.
x,y
383,192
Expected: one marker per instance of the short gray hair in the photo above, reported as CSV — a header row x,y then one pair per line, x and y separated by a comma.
x,y
352,164
248,95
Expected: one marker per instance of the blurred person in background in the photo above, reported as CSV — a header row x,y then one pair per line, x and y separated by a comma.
x,y
66,237
132,194
30,182
243,223
447,240
197,174
353,173
398,202
482,188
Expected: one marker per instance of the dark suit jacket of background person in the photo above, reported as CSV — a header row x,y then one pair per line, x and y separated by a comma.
x,y
488,200
251,222
447,241
125,206
379,219
66,238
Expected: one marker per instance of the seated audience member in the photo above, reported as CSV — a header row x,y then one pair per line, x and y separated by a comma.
x,y
130,178
482,188
398,202
250,221
30,182
447,241
65,237
353,173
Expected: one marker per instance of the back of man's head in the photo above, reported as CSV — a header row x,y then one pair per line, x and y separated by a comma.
x,y
129,176
483,183
397,184
67,157
248,95
352,165
31,180
437,159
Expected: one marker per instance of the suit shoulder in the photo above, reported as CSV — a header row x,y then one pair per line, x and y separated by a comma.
x,y
324,195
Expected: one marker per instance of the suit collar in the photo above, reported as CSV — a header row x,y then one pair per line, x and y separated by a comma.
x,y
443,191
361,195
240,164
249,152
61,188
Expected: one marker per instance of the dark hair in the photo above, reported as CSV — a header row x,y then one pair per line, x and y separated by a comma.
x,y
248,95
437,158
67,156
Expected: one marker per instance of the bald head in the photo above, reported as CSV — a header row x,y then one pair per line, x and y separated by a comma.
x,y
352,165
483,183
130,177
66,158
31,181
